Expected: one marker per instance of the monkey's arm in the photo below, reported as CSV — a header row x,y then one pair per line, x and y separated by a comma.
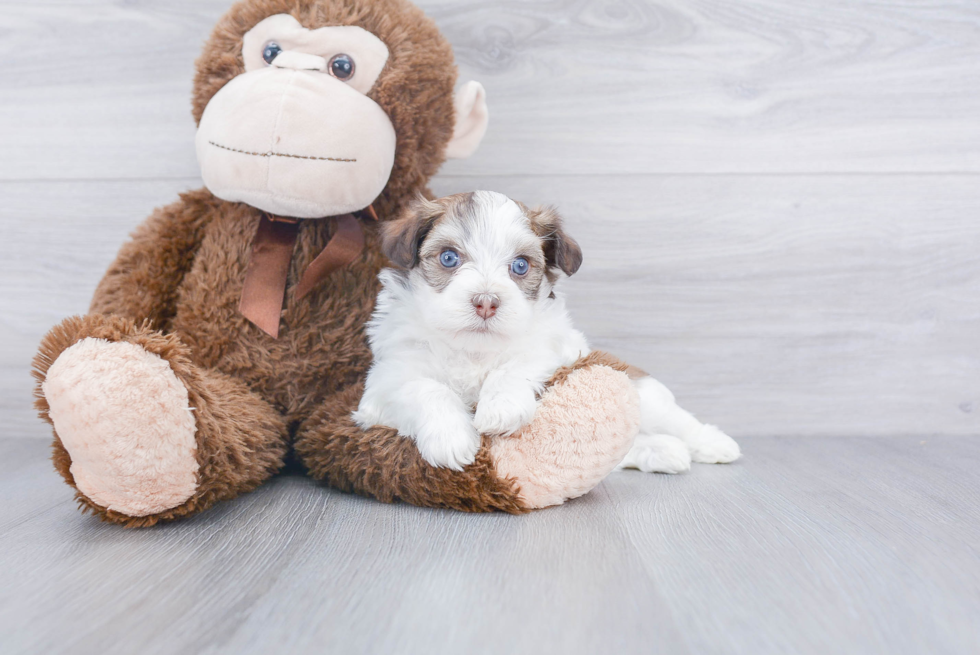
x,y
143,280
584,426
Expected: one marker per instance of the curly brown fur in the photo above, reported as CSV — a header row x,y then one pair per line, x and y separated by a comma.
x,y
143,282
321,347
381,464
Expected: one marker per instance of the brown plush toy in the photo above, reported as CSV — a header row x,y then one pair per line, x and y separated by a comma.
x,y
230,328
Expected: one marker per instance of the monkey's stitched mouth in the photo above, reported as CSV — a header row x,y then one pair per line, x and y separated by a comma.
x,y
279,154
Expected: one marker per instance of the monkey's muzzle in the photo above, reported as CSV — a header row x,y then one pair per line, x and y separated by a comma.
x,y
295,143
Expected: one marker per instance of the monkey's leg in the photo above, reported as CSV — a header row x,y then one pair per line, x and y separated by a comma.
x,y
585,424
141,432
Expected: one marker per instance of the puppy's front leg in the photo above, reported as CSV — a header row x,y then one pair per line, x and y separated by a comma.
x,y
441,425
507,402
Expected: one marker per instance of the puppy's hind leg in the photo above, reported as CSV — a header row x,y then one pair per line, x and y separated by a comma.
x,y
660,414
657,453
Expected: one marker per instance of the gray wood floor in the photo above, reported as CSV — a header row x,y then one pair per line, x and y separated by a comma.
x,y
835,545
779,204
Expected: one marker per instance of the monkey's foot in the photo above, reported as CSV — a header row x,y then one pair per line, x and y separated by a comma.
x,y
125,420
583,428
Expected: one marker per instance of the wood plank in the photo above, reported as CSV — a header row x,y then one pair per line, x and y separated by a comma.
x,y
584,87
748,86
28,489
121,109
770,305
805,546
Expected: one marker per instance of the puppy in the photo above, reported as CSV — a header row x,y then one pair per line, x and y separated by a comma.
x,y
469,328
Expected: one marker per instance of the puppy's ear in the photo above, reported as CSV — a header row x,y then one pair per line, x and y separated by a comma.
x,y
402,237
560,250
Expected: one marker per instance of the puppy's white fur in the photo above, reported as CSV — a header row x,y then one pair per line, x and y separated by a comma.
x,y
443,375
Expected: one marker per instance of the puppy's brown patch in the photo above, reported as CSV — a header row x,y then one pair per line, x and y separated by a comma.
x,y
401,239
455,209
561,251
530,283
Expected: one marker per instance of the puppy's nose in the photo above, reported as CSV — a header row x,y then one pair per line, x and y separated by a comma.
x,y
486,304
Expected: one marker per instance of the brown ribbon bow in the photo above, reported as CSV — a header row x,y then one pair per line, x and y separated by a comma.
x,y
272,250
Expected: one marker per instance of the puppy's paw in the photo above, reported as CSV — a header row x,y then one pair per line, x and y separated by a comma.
x,y
450,441
712,446
658,453
505,412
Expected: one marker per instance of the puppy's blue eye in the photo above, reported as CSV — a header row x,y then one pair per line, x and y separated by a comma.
x,y
271,51
449,258
520,266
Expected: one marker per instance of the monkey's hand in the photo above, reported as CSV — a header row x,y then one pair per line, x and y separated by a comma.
x,y
584,425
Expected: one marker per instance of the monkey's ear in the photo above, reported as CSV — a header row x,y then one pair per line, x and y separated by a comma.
x,y
402,237
560,250
472,117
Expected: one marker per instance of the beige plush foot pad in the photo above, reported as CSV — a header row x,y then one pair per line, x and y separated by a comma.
x,y
123,416
582,430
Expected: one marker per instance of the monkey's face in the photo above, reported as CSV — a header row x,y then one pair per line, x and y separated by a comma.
x,y
296,134
329,107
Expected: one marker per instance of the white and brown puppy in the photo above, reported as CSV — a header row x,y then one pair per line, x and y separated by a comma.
x,y
469,328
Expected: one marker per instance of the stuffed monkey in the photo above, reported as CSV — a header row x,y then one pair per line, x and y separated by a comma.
x,y
229,331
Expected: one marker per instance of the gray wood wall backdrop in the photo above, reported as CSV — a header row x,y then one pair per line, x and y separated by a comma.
x,y
779,200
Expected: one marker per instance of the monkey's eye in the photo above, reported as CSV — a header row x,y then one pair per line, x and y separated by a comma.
x,y
449,258
342,67
520,267
271,51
